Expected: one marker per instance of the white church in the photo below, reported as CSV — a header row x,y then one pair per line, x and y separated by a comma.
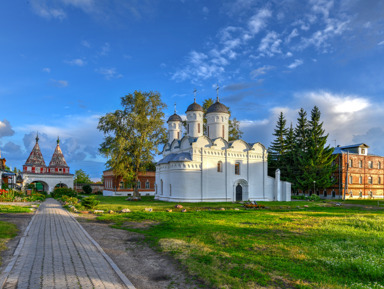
x,y
209,168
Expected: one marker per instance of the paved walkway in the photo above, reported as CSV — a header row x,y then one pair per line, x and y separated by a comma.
x,y
56,252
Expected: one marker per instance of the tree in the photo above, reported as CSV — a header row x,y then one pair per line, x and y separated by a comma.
x,y
87,189
321,158
82,177
278,147
132,135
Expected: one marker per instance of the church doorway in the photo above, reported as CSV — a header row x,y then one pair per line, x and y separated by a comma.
x,y
239,192
40,186
61,185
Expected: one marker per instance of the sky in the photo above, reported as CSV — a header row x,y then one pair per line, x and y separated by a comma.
x,y
66,63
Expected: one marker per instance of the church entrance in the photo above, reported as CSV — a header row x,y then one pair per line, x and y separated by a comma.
x,y
239,192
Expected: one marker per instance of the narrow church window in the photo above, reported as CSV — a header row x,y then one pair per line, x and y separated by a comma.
x,y
370,165
188,128
237,169
178,135
360,163
147,184
219,167
170,189
350,179
161,189
198,127
208,131
379,181
350,163
223,131
379,165
360,180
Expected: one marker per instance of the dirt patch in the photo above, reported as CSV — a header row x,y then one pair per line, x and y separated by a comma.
x,y
144,267
21,220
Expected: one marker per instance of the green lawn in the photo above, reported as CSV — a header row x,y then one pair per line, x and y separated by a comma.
x,y
7,231
321,246
14,209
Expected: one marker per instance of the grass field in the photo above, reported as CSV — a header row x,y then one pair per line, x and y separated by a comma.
x,y
284,246
14,209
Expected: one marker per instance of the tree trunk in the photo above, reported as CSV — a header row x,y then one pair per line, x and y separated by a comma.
x,y
136,189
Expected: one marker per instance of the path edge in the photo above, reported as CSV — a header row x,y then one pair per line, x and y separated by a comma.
x,y
4,275
119,273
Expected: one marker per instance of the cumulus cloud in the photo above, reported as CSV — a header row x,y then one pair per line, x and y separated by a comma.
x,y
59,83
295,64
6,128
109,73
259,21
261,71
76,62
10,149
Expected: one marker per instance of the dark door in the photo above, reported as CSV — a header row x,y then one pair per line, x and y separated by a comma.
x,y
239,193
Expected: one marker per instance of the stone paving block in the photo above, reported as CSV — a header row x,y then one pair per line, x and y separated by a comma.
x,y
58,254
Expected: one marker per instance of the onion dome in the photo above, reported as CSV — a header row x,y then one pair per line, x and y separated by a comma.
x,y
58,157
195,107
36,157
174,117
218,107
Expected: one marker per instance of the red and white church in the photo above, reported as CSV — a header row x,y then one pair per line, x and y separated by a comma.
x,y
56,174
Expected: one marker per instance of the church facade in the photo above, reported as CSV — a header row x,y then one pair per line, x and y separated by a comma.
x,y
56,174
209,168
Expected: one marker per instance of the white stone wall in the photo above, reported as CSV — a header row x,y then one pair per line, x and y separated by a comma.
x,y
174,130
194,121
49,181
217,123
198,180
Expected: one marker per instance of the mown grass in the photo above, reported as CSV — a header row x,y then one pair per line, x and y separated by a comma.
x,y
7,231
321,246
14,209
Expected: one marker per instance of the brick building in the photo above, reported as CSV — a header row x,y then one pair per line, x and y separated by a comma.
x,y
359,174
117,187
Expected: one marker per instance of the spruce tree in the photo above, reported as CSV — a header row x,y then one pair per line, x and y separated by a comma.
x,y
278,147
301,162
319,154
288,156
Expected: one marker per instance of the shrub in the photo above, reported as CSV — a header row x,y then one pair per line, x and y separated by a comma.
x,y
87,189
99,193
58,193
89,202
314,198
36,197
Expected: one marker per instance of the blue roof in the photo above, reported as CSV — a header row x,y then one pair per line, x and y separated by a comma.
x,y
181,157
338,150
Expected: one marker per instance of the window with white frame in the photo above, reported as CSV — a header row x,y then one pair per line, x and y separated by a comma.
x,y
350,179
370,164
360,180
360,163
369,180
139,185
237,168
147,184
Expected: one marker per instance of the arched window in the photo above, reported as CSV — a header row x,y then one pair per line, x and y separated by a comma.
x,y
379,180
139,185
350,163
237,168
198,127
223,132
369,180
379,165
325,193
360,180
147,184
360,163
219,166
370,165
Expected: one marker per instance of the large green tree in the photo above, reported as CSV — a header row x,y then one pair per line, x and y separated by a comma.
x,y
132,135
278,147
81,177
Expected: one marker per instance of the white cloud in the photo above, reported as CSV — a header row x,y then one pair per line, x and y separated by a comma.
x,y
261,71
270,44
322,7
42,9
381,43
109,73
258,21
59,83
295,64
47,70
76,62
85,43
6,128
105,49
294,33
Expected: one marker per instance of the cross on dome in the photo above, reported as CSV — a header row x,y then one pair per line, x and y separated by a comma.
x,y
217,93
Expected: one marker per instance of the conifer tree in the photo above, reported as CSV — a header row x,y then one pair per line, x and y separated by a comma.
x,y
288,157
278,147
320,156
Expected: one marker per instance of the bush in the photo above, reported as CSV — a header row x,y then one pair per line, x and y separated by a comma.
x,y
36,197
314,198
87,189
58,193
89,202
99,193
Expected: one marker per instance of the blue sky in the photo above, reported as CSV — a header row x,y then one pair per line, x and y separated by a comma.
x,y
64,63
